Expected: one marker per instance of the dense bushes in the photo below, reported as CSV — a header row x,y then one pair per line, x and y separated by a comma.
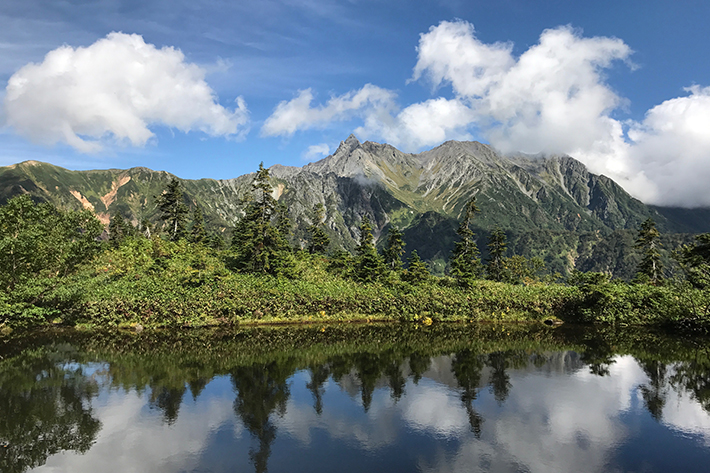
x,y
155,282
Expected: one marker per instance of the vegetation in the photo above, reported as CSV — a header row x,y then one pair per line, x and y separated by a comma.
x,y
54,269
394,249
259,242
466,259
319,240
369,265
496,251
650,267
173,210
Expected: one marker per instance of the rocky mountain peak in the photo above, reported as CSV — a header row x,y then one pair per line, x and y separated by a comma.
x,y
348,146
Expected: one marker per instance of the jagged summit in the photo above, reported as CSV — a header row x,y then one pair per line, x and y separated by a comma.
x,y
348,145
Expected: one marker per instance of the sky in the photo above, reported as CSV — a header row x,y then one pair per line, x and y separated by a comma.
x,y
211,88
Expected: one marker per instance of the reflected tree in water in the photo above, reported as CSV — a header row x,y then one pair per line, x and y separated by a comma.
x,y
46,408
654,393
467,367
369,369
598,355
395,378
197,385
319,376
168,399
418,365
693,377
261,390
500,381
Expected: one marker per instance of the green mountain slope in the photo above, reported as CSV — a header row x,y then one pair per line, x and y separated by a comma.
x,y
550,206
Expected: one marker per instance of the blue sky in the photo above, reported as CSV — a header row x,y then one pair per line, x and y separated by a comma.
x,y
211,88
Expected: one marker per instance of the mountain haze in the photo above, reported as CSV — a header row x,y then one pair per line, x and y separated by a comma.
x,y
550,206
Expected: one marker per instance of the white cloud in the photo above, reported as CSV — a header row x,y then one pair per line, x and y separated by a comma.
x,y
298,114
421,124
316,151
114,90
672,147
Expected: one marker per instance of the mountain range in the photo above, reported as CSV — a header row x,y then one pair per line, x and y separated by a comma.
x,y
549,206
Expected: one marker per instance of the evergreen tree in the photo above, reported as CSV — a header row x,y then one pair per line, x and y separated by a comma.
x,y
648,242
145,228
695,261
259,245
283,220
394,249
369,266
197,232
118,230
215,241
496,250
174,211
417,271
341,263
319,238
466,259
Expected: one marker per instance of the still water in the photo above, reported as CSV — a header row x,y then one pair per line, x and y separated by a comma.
x,y
355,399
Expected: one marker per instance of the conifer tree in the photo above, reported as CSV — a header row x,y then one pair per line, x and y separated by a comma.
x,y
648,242
197,232
369,266
694,259
394,249
118,230
496,250
215,240
259,245
174,211
466,259
145,228
417,271
319,240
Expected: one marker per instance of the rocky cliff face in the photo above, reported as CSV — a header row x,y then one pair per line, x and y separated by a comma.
x,y
553,198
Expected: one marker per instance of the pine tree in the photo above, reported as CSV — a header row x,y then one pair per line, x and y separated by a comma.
x,y
394,249
369,266
466,259
648,242
259,246
197,232
417,271
694,259
174,211
118,230
215,241
496,250
319,240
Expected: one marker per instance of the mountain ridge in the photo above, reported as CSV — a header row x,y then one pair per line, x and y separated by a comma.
x,y
423,193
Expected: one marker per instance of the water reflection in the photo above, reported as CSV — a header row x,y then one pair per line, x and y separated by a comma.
x,y
352,399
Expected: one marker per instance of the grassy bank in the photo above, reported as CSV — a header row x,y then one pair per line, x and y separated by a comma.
x,y
156,283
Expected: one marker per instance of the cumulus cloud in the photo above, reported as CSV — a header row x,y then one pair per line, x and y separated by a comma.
x,y
370,102
421,124
316,151
672,146
115,90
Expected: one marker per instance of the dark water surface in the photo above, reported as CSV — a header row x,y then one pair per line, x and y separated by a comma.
x,y
355,399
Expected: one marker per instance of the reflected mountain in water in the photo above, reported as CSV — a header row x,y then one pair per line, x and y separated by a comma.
x,y
368,398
